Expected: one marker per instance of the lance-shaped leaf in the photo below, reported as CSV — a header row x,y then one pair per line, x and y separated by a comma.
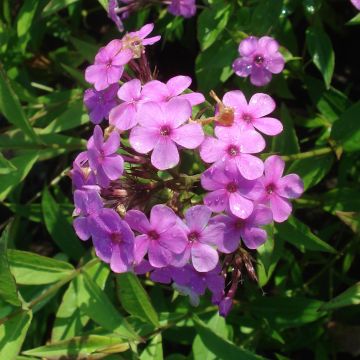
x,y
351,296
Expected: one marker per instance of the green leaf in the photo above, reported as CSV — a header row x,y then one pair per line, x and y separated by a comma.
x,y
6,166
349,297
312,171
81,347
55,5
354,21
346,130
321,51
266,16
85,48
59,228
94,302
212,22
12,334
286,142
342,199
298,234
11,108
8,290
104,4
33,269
135,299
154,350
219,346
23,164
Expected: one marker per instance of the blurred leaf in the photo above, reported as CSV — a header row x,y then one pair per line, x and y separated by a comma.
x,y
12,334
85,48
346,130
81,347
33,269
94,302
354,21
59,228
321,51
8,290
154,350
342,199
352,219
135,299
212,22
219,346
5,165
298,234
55,5
266,16
312,171
11,108
104,4
351,296
23,164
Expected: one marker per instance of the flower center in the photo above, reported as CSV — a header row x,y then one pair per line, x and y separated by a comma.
x,y
239,224
270,188
116,238
165,130
135,44
233,150
247,117
109,64
153,235
231,187
193,236
259,60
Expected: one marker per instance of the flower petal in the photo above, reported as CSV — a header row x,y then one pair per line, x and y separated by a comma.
x,y
150,115
242,67
280,207
253,237
122,58
178,84
174,239
235,99
211,149
260,105
113,166
162,218
137,221
177,111
204,258
250,166
290,186
269,126
197,217
240,206
143,139
274,167
130,91
123,116
276,63
141,247
165,154
190,136
121,258
103,247
213,234
112,144
260,76
261,215
251,142
155,91
158,256
81,227
248,46
193,98
217,200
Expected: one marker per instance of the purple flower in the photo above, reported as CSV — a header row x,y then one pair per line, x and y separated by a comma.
x,y
185,8
123,116
233,147
247,229
161,237
252,115
161,92
356,3
113,240
114,16
260,58
81,175
103,159
225,306
201,239
99,103
160,130
109,65
229,191
275,190
137,40
87,204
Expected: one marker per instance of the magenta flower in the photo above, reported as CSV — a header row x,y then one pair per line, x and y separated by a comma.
x,y
87,204
103,159
161,129
356,3
228,191
99,103
252,115
113,240
201,239
80,174
113,14
161,92
233,147
123,116
225,306
161,237
109,65
276,190
185,8
247,229
260,58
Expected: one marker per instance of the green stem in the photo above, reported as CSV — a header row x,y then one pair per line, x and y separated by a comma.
x,y
308,154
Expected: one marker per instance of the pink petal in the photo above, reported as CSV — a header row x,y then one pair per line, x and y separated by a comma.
x,y
280,207
261,215
81,227
141,247
250,166
216,200
194,98
248,46
162,218
269,126
178,84
123,116
113,166
98,138
268,45
137,221
251,142
151,115
213,234
152,40
158,256
97,75
242,67
204,258
112,48
165,154
190,136
235,99
123,57
197,217
180,260
239,206
143,139
275,64
260,105
274,167
144,31
211,150
260,76
174,239
130,91
177,111
253,237
121,259
290,186
113,74
155,91
112,144
97,115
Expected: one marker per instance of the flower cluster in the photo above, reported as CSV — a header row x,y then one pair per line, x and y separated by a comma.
x,y
131,197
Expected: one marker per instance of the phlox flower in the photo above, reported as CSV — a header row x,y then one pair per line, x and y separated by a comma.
x,y
103,159
233,148
161,237
161,129
109,65
114,16
81,174
356,3
113,240
185,8
174,87
201,239
228,191
259,58
252,115
275,189
247,229
99,103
